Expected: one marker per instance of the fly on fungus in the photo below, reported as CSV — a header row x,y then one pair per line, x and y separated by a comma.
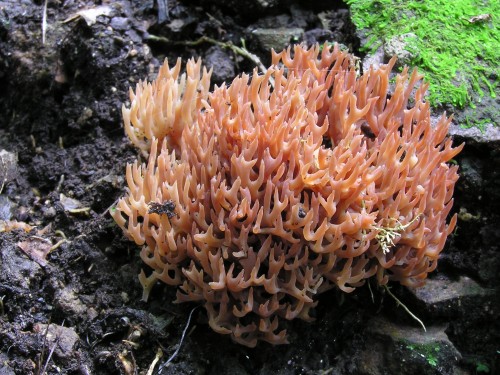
x,y
283,185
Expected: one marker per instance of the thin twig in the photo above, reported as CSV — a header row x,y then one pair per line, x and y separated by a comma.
x,y
42,354
404,307
44,21
370,289
2,310
165,364
50,356
205,39
56,342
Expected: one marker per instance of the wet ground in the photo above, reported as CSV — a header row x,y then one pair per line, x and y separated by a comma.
x,y
70,300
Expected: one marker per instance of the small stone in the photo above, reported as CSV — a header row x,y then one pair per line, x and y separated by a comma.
x,y
65,338
445,297
125,297
67,300
17,268
278,39
220,61
49,213
489,135
119,23
404,47
374,59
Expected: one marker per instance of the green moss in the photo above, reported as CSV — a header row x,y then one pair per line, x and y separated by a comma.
x,y
428,351
482,368
458,57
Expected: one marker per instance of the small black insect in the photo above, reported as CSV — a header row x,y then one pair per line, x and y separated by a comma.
x,y
301,213
165,208
367,131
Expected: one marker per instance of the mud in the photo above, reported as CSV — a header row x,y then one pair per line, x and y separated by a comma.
x,y
75,307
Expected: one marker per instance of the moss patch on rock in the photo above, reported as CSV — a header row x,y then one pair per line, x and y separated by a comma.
x,y
456,46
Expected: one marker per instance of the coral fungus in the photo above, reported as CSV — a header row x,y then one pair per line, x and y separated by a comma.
x,y
259,195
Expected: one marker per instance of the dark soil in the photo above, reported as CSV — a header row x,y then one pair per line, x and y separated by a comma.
x,y
60,112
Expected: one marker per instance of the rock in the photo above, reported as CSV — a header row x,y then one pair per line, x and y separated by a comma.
x,y
16,268
404,47
471,172
222,64
395,349
490,135
8,167
374,60
67,300
317,36
259,6
442,297
65,338
119,23
278,39
489,259
474,246
5,207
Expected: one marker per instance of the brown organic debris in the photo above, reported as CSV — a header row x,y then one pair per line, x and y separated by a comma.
x,y
10,225
480,18
37,248
284,191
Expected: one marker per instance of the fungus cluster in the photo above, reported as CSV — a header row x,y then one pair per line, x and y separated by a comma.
x,y
259,195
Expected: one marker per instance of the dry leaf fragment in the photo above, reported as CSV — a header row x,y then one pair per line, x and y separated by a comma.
x,y
480,18
73,206
90,15
69,203
37,248
9,225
